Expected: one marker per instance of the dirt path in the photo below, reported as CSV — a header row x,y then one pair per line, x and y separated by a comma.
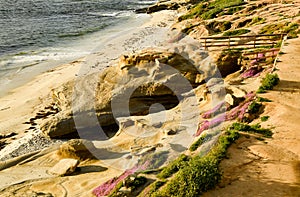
x,y
270,167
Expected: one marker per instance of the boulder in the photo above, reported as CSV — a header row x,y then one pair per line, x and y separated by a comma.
x,y
124,190
237,92
64,167
228,62
232,100
77,149
60,126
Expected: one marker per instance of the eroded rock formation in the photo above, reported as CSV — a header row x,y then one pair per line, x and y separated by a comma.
x,y
129,88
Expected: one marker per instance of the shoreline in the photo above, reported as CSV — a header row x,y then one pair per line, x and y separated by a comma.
x,y
49,58
22,103
71,70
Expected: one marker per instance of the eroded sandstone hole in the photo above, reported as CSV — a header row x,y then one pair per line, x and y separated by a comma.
x,y
150,98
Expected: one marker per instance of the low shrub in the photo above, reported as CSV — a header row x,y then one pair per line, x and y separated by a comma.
x,y
209,10
152,190
254,107
199,174
256,128
257,20
203,138
261,99
174,166
264,118
199,142
268,83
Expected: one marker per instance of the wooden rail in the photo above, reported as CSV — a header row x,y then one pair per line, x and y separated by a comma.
x,y
273,52
245,41
260,56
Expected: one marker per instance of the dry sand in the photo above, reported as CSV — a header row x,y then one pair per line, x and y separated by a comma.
x,y
22,103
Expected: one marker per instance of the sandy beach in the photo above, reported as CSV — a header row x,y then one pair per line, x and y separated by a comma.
x,y
23,103
155,90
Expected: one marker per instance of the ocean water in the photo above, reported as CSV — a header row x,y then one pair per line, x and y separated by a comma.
x,y
44,33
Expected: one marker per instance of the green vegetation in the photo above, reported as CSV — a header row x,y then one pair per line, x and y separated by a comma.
x,y
174,166
199,142
292,29
154,187
261,99
208,10
137,182
203,138
254,107
257,20
199,174
116,189
268,83
251,129
236,32
264,118
231,10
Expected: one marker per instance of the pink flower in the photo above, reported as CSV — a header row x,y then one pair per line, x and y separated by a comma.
x,y
213,111
108,186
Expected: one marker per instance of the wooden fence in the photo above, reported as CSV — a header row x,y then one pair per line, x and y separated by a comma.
x,y
243,41
261,56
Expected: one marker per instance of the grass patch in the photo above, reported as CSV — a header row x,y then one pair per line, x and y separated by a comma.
x,y
231,11
264,118
209,10
199,174
236,32
292,29
154,187
268,83
198,143
116,189
174,166
203,138
256,128
257,20
261,99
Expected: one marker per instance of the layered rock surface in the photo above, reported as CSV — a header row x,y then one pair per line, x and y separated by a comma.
x,y
129,88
